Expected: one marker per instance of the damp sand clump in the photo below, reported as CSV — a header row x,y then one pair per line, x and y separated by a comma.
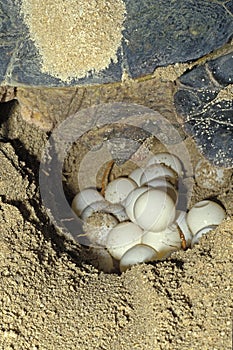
x,y
75,37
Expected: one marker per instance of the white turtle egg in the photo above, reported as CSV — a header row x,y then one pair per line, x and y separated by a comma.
x,y
98,226
156,171
164,242
93,208
136,175
211,177
199,234
105,207
118,211
101,260
131,199
122,237
205,213
166,186
169,160
139,253
154,210
181,220
118,189
159,183
85,198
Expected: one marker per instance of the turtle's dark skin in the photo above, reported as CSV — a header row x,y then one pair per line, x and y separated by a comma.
x,y
156,34
167,32
206,117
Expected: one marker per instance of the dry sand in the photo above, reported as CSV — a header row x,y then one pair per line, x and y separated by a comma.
x,y
51,297
72,38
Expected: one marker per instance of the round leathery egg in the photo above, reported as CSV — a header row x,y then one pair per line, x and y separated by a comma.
x,y
164,242
93,208
122,237
118,189
131,199
139,253
136,175
118,211
98,226
211,177
196,238
154,210
164,185
203,214
101,259
84,198
167,159
105,207
156,171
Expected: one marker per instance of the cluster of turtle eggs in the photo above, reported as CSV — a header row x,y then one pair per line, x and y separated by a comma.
x,y
137,219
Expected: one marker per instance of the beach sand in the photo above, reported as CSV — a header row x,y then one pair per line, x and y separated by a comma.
x,y
52,297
